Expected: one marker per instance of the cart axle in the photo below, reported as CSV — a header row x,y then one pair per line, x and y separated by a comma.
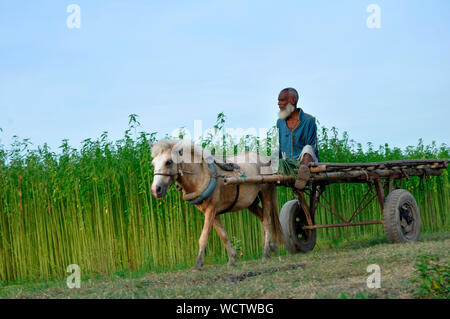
x,y
344,224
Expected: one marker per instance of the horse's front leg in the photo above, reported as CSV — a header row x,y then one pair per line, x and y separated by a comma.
x,y
210,215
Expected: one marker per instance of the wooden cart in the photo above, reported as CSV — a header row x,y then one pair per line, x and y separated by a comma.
x,y
401,217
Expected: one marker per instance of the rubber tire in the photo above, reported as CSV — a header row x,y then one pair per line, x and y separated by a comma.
x,y
391,216
289,212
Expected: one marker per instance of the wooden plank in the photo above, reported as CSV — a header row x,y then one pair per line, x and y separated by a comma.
x,y
332,177
412,162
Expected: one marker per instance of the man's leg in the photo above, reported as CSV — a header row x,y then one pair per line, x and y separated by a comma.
x,y
307,156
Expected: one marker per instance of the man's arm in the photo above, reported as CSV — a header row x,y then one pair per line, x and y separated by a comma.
x,y
311,136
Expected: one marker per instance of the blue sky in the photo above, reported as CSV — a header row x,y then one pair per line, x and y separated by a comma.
x,y
173,62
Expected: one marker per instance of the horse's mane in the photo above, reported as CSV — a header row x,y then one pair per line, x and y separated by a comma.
x,y
161,146
165,144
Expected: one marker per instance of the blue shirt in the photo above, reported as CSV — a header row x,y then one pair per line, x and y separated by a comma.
x,y
292,142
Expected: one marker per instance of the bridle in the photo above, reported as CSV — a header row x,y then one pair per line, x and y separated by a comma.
x,y
178,174
166,174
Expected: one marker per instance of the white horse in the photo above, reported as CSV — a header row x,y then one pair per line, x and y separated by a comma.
x,y
201,179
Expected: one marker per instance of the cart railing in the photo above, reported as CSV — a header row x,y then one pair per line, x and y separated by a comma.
x,y
352,172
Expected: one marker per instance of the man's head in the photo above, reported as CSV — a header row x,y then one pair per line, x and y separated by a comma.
x,y
287,102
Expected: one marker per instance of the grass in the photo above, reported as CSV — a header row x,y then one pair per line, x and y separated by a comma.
x,y
338,272
93,206
433,277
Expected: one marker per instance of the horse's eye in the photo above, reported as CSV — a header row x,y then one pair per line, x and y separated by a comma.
x,y
169,162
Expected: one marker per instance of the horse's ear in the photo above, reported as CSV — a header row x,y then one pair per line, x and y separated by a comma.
x,y
151,144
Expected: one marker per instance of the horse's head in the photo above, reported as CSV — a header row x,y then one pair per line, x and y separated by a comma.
x,y
165,162
169,159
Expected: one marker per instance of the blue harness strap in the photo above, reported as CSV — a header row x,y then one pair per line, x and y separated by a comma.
x,y
212,183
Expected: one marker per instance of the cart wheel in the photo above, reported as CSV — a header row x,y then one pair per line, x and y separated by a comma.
x,y
401,217
292,220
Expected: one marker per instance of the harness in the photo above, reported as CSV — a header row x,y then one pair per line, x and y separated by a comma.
x,y
208,187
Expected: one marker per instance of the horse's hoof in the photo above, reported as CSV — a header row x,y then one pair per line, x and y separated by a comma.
x,y
231,264
197,268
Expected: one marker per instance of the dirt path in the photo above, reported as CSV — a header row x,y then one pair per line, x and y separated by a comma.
x,y
324,273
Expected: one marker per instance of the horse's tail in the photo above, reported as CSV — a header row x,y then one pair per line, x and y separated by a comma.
x,y
276,232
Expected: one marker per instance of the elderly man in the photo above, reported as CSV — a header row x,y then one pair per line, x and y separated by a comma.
x,y
297,134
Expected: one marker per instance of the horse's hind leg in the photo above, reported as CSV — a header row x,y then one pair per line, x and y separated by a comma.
x,y
224,237
259,212
256,210
266,198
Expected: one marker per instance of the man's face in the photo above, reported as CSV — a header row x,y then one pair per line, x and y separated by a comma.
x,y
285,105
283,100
